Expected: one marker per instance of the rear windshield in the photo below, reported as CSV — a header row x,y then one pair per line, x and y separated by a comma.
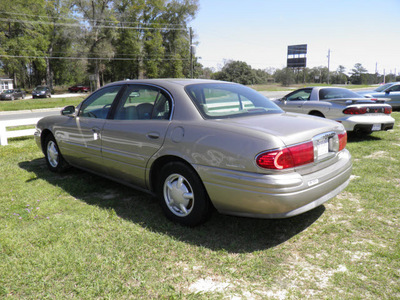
x,y
224,100
337,93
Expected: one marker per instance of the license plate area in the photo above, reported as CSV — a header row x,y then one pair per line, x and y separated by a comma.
x,y
376,127
322,147
325,145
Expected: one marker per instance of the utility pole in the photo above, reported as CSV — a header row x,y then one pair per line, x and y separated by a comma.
x,y
191,51
329,60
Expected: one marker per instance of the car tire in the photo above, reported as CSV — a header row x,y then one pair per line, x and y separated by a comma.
x,y
317,114
182,195
54,159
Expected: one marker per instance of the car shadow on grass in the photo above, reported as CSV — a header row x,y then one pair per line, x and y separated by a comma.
x,y
353,137
220,232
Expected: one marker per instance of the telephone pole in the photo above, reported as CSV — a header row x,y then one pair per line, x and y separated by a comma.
x,y
191,51
329,60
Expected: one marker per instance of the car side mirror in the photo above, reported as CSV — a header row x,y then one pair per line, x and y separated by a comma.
x,y
387,92
68,110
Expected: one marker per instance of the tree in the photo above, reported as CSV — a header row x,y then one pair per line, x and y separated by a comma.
x,y
341,76
236,71
153,53
357,73
99,16
285,76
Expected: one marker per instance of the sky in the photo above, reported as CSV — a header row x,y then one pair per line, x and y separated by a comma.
x,y
259,32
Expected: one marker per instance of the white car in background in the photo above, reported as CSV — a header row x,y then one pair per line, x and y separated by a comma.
x,y
355,112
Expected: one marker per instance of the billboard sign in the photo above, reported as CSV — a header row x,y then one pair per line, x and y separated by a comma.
x,y
297,62
297,49
296,56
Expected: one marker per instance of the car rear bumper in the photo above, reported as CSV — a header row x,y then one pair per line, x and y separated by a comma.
x,y
275,196
366,123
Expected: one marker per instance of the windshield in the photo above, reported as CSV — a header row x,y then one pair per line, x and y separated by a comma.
x,y
223,100
40,88
383,87
337,93
9,92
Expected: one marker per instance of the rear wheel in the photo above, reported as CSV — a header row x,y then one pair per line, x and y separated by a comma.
x,y
182,195
54,160
317,114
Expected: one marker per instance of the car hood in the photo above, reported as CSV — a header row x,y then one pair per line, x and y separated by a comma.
x,y
291,128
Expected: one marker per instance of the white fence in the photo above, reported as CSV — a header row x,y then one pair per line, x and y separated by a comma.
x,y
4,134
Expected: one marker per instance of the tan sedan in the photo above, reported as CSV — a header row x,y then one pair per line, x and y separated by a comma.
x,y
199,145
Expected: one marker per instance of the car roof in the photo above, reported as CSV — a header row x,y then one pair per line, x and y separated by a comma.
x,y
169,81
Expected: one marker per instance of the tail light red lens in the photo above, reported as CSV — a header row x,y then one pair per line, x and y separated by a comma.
x,y
287,157
355,111
342,140
388,110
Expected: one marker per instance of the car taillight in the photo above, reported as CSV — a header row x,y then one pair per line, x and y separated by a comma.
x,y
342,140
355,111
388,110
287,157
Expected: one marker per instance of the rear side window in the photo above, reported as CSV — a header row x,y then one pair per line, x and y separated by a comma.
x,y
337,93
141,102
219,100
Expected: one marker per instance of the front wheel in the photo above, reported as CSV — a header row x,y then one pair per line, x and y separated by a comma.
x,y
54,160
182,195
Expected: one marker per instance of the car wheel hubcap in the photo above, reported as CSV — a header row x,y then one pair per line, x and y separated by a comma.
x,y
52,154
178,195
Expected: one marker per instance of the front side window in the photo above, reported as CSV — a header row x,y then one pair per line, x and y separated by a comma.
x,y
394,88
98,105
220,100
299,95
141,102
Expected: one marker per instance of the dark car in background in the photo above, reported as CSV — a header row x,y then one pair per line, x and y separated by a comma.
x,y
79,89
389,91
41,92
12,94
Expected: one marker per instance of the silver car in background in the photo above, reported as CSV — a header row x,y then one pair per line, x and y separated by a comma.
x,y
354,111
199,145
389,91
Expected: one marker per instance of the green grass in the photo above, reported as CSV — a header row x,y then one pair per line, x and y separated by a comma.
x,y
39,103
80,236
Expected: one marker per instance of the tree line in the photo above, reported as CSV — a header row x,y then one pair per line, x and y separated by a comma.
x,y
65,42
61,42
241,72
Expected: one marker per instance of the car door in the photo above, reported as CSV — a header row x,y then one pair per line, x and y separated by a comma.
x,y
393,93
295,101
135,132
80,138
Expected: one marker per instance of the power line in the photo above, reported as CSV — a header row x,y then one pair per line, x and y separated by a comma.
x,y
88,20
87,25
132,55
88,58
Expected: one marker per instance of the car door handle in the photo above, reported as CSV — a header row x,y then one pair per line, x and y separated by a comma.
x,y
153,135
96,133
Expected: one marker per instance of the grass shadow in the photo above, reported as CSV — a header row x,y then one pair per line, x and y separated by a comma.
x,y
221,232
355,137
